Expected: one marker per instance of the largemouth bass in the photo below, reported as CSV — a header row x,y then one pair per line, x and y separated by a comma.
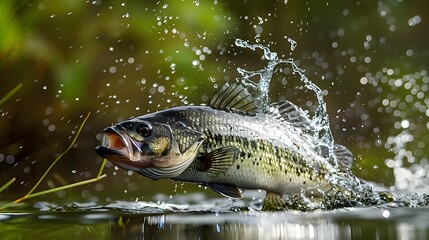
x,y
229,145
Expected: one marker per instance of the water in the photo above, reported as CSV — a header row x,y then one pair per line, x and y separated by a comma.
x,y
143,220
353,191
320,121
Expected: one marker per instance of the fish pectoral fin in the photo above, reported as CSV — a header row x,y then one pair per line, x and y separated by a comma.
x,y
219,160
226,190
273,202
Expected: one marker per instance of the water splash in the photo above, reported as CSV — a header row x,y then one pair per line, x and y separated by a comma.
x,y
293,43
356,192
320,121
199,203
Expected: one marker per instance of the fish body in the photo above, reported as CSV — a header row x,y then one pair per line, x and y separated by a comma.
x,y
265,155
228,145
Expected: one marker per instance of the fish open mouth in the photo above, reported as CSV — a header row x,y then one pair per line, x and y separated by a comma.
x,y
121,149
113,144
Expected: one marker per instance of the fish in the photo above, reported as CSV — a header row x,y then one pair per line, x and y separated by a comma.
x,y
229,145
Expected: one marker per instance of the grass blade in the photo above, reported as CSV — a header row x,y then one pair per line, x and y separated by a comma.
x,y
60,156
6,185
30,194
61,188
10,94
101,168
53,190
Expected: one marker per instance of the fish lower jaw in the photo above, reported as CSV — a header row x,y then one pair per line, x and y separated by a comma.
x,y
124,151
139,160
136,158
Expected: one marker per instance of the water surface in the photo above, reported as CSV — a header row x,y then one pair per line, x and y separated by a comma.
x,y
218,218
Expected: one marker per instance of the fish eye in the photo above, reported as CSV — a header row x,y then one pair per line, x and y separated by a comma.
x,y
145,130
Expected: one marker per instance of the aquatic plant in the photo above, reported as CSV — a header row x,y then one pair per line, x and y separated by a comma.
x,y
32,194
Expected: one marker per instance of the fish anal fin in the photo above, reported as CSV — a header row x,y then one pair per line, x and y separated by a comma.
x,y
273,202
226,190
344,157
219,160
234,98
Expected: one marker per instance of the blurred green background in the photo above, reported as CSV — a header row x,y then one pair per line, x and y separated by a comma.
x,y
120,59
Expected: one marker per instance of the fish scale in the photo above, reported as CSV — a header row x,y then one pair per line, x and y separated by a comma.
x,y
261,164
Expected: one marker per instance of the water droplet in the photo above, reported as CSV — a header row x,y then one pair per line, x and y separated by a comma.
x,y
112,69
99,187
414,20
51,128
10,159
405,123
161,89
45,122
386,213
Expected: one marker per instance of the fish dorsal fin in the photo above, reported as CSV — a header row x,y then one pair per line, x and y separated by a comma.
x,y
289,112
219,160
344,156
226,190
234,97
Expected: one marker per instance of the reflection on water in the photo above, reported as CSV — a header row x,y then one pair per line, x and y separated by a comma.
x,y
368,223
153,221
